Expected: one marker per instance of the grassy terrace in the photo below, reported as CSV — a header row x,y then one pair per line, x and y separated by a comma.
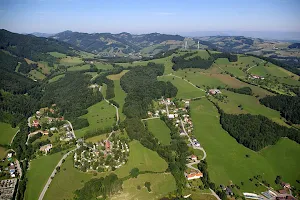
x,y
159,130
227,159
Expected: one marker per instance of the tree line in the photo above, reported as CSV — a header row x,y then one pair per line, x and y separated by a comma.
x,y
289,106
242,90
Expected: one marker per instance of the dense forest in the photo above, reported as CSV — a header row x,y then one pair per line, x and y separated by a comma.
x,y
99,187
141,86
256,131
229,56
243,90
72,96
289,106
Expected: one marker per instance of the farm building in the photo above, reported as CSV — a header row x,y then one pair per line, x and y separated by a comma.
x,y
46,148
214,91
193,175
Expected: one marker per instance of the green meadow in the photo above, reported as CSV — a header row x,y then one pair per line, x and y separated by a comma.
x,y
142,158
185,89
227,161
39,171
159,130
100,115
57,54
7,133
56,78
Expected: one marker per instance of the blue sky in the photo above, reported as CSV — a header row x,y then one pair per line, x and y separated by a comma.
x,y
141,16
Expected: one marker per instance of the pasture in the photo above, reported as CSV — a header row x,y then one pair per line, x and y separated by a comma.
x,y
142,158
249,104
69,61
120,96
34,74
159,130
185,89
39,171
117,76
57,54
79,68
227,161
103,65
66,181
56,78
100,115
2,152
161,185
7,133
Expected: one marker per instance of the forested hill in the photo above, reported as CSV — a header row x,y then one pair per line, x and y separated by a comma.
x,y
118,43
32,47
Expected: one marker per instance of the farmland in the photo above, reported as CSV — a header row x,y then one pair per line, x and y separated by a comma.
x,y
159,130
7,133
69,61
142,158
100,115
38,174
56,78
227,159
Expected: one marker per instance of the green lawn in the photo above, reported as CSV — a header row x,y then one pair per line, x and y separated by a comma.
x,y
36,75
227,159
100,115
39,171
7,133
142,158
97,138
259,70
159,130
56,78
2,152
120,96
161,185
57,54
66,182
102,65
185,90
250,105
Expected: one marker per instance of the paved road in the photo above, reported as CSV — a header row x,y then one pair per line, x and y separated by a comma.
x,y
71,128
194,147
250,67
213,193
19,168
117,110
53,174
29,124
150,118
14,136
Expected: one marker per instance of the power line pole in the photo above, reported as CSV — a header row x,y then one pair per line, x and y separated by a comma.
x,y
198,45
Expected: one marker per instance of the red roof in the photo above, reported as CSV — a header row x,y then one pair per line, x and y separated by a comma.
x,y
107,144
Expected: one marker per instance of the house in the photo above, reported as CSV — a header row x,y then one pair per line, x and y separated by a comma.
x,y
171,116
35,123
193,158
52,129
285,185
107,145
9,155
46,148
193,175
214,91
229,191
45,132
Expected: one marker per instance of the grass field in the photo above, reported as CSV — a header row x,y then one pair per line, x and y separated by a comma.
x,y
96,138
100,115
57,54
185,90
198,194
56,78
102,65
44,67
66,182
227,159
69,61
161,185
120,96
142,158
79,68
7,133
36,75
117,76
38,174
250,105
2,152
159,130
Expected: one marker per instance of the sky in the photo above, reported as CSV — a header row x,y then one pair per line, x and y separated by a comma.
x,y
144,16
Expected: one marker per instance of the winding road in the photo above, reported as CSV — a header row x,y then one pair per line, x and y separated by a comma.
x,y
53,174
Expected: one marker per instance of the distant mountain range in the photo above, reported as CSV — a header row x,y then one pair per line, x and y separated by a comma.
x,y
118,44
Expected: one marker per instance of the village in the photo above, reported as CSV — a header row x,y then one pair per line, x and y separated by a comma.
x,y
49,129
102,156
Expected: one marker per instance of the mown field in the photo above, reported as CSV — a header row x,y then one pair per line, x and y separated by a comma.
x,y
69,61
2,152
39,171
56,78
159,130
249,104
7,133
142,158
227,159
161,185
100,115
185,89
